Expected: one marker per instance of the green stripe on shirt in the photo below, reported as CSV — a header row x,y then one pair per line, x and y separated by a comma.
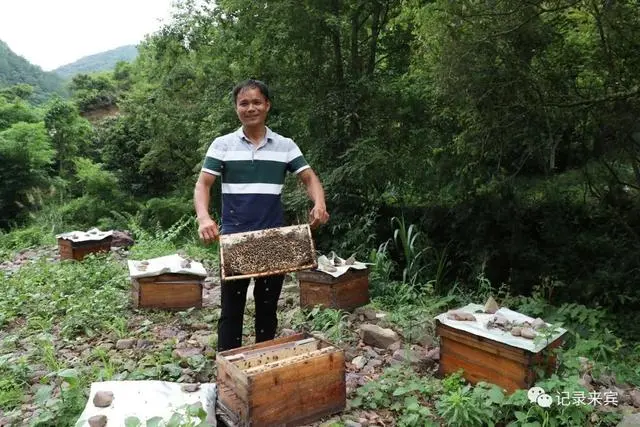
x,y
254,171
214,165
296,164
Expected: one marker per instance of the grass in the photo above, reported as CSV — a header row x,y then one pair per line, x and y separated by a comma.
x,y
59,323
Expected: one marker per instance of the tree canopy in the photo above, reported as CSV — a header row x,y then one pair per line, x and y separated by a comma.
x,y
507,132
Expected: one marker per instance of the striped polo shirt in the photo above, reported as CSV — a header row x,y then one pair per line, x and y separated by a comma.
x,y
252,178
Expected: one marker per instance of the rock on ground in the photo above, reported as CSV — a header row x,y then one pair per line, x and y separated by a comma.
x,y
376,336
631,420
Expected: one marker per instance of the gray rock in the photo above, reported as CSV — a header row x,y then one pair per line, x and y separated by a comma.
x,y
204,340
374,363
202,377
359,362
201,327
190,388
102,399
407,355
376,336
371,352
185,353
367,313
585,381
350,354
635,398
433,354
144,344
98,421
126,343
426,341
623,395
630,420
607,380
368,370
182,335
121,239
395,346
287,332
349,423
185,379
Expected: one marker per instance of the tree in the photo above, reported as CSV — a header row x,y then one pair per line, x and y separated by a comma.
x,y
70,134
92,92
25,155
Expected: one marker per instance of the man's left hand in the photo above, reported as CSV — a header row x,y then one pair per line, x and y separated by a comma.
x,y
318,216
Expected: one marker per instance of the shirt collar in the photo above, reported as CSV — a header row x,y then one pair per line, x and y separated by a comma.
x,y
268,135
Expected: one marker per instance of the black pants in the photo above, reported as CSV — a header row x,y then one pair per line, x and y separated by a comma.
x,y
233,297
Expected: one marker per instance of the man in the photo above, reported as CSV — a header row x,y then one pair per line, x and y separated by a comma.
x,y
252,163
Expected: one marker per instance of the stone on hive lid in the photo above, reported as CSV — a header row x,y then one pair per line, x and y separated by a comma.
x,y
491,306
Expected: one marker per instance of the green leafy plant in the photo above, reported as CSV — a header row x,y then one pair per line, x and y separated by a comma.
x,y
62,400
186,416
402,391
407,240
330,322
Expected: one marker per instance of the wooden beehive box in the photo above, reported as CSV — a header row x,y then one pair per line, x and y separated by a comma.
x,y
287,381
166,283
77,244
345,292
167,291
266,252
485,359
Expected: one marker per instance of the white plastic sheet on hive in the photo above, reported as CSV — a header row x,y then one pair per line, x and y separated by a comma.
x,y
145,400
479,327
336,266
85,236
174,264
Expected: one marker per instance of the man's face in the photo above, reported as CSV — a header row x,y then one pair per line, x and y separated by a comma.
x,y
252,107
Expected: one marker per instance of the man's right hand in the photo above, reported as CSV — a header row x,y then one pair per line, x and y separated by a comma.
x,y
208,230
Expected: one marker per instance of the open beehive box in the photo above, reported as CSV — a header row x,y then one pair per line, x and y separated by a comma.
x,y
287,381
266,252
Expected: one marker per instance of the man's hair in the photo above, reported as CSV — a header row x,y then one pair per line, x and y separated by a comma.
x,y
251,84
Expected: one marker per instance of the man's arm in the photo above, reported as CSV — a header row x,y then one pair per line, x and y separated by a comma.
x,y
318,214
207,227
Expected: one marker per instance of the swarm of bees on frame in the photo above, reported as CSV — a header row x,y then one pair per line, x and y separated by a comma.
x,y
271,252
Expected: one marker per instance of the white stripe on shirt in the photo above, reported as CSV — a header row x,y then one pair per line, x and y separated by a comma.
x,y
261,154
252,188
293,154
211,171
302,168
